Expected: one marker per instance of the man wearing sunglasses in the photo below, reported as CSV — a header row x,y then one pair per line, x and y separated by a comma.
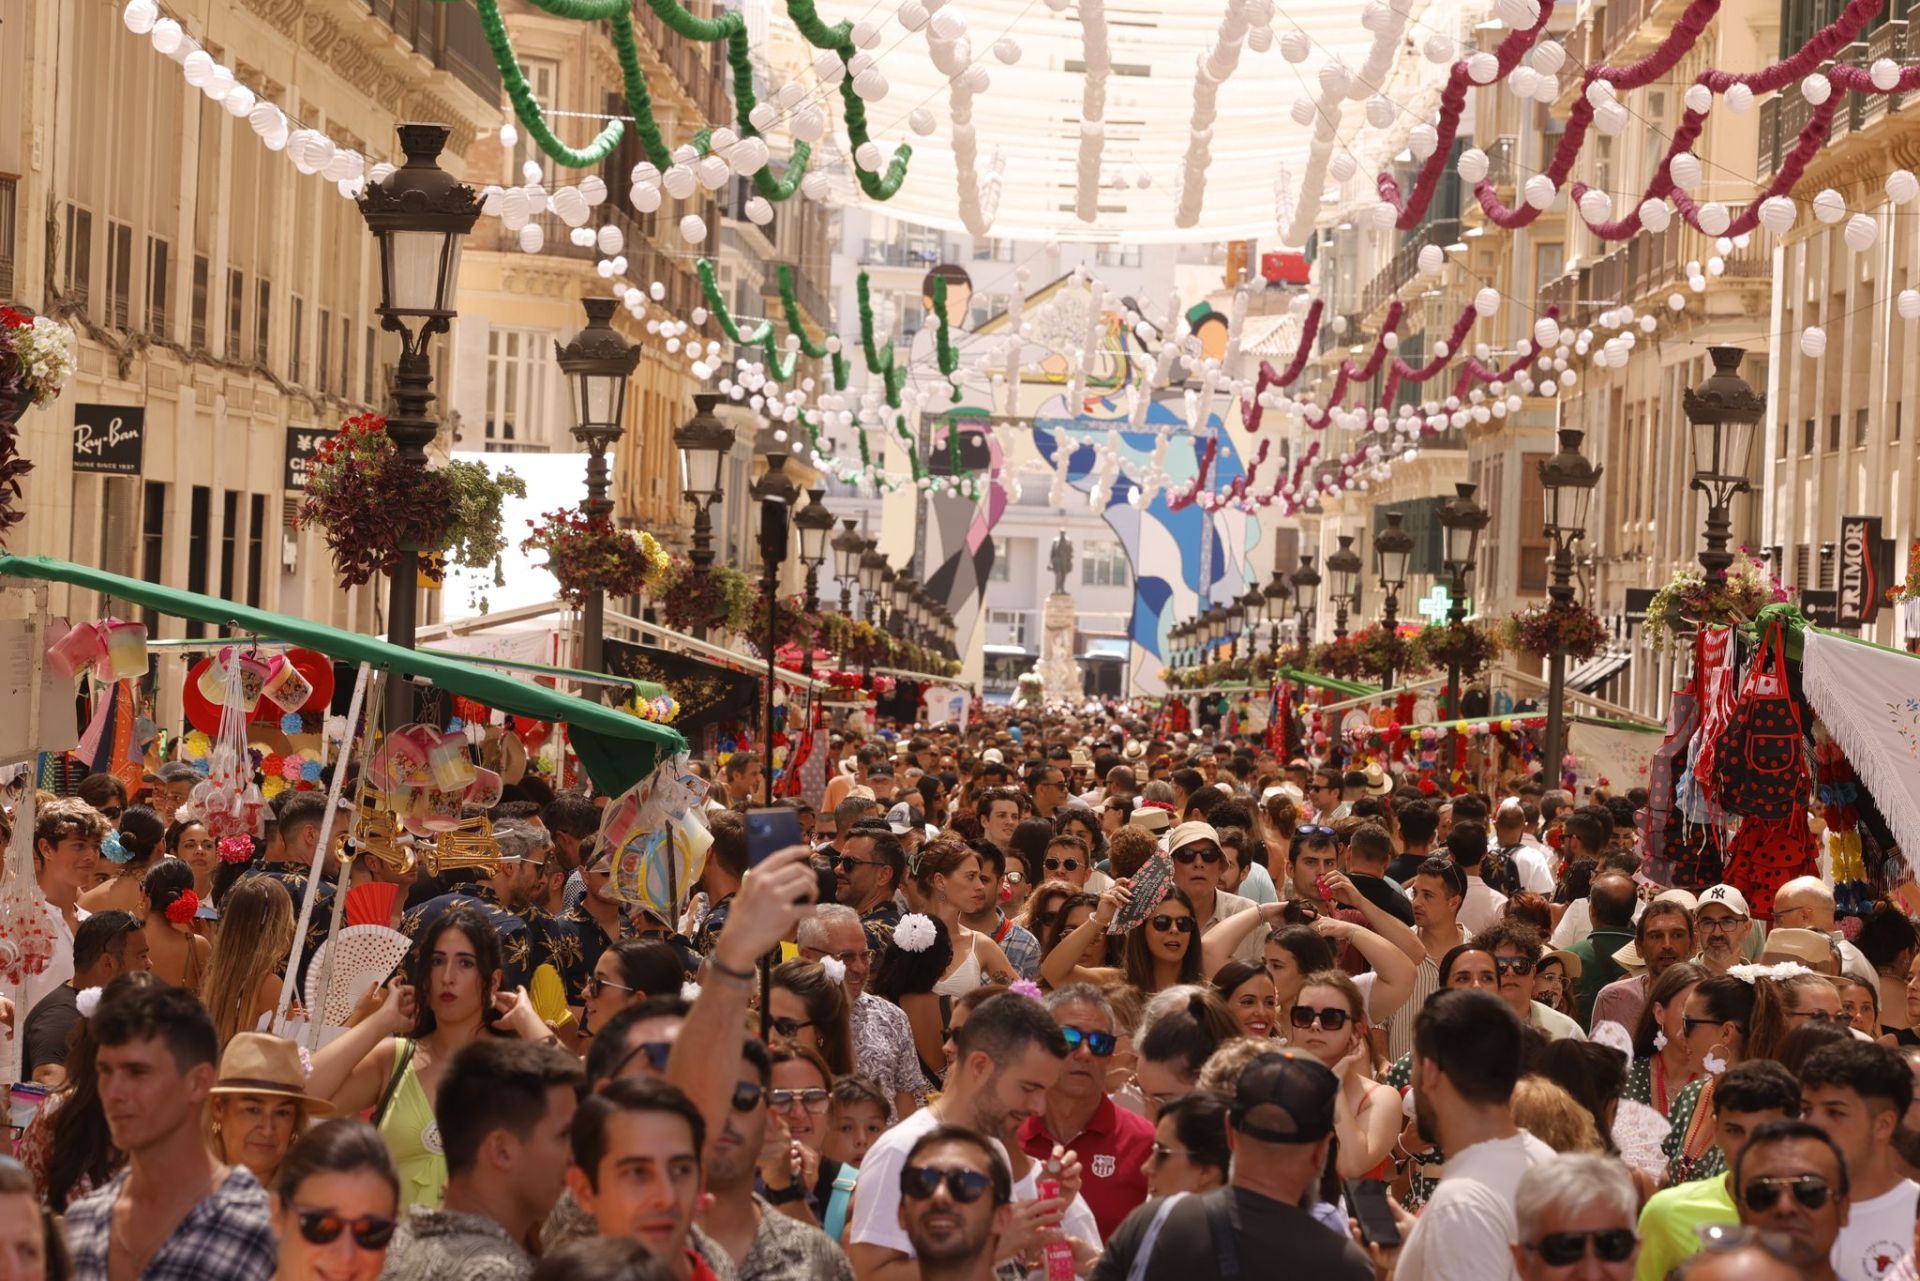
x,y
1575,1215
1198,865
1791,1180
1112,1143
869,867
1857,1091
1745,1097
955,1191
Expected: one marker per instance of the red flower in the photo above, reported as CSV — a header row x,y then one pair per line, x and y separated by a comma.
x,y
183,909
13,319
236,849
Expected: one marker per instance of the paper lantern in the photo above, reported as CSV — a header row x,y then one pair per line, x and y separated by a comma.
x,y
1539,191
912,15
1902,186
1861,232
1596,205
533,238
140,15
1546,331
1380,112
1816,89
610,239
1611,117
1777,214
1303,111
1472,165
1829,206
1713,218
1698,99
1548,57
197,67
763,116
1908,304
1431,259
1385,215
1334,78
1814,342
1341,167
679,182
1523,80
867,154
1655,215
759,211
1885,74
1438,48
1487,301
1598,92
1296,46
1684,169
166,36
1483,68
1739,99
693,229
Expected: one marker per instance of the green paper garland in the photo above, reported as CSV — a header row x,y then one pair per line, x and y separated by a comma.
x,y
944,354
791,304
526,108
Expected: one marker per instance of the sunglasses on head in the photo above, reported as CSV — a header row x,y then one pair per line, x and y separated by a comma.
x,y
1564,1249
1331,1020
1166,921
920,1182
1063,864
657,1052
1210,854
1099,1044
1513,964
1810,1190
1314,829
323,1227
813,1100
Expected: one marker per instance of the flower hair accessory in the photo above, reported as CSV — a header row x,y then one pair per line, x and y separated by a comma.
x,y
1026,988
834,968
689,992
112,850
914,933
87,1002
183,909
236,849
1779,972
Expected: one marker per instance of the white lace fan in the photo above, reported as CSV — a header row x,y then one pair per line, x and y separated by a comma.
x,y
363,955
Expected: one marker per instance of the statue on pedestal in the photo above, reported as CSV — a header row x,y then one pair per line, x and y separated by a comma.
x,y
1060,561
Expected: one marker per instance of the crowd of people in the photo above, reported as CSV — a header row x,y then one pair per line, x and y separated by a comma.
x,y
1052,996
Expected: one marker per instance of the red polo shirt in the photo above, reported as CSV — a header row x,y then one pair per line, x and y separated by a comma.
x,y
1113,1152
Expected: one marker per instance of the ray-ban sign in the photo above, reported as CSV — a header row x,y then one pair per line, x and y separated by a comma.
x,y
109,438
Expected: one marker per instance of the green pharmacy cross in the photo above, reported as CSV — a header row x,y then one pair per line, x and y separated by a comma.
x,y
1434,605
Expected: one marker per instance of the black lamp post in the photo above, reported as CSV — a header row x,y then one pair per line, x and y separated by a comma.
x,y
1306,593
1461,522
847,546
704,442
420,214
873,570
777,494
1278,593
597,364
1567,480
813,523
1236,624
1345,567
1392,556
1724,413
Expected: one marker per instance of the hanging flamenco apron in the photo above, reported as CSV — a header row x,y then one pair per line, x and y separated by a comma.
x,y
1668,763
1767,853
1760,769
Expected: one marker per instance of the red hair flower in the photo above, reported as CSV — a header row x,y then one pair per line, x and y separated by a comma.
x,y
183,909
236,849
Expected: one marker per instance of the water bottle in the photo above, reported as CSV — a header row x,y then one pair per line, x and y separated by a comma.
x,y
1059,1252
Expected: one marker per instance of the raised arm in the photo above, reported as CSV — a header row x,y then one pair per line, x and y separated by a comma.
x,y
1062,966
1218,945
351,1070
1384,923
1393,972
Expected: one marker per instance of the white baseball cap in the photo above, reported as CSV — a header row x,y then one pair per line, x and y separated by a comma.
x,y
992,756
1728,897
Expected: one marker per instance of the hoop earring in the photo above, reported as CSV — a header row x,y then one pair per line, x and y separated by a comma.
x,y
1714,1062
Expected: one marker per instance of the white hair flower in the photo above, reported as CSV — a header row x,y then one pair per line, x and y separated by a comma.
x,y
914,933
1779,973
689,992
87,1002
834,968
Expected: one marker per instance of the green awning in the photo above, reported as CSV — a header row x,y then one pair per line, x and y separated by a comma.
x,y
1352,689
617,750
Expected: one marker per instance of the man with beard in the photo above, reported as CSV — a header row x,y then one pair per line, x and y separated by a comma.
x,y
1722,922
1467,1048
1791,1181
764,1244
882,1038
867,871
1664,937
528,938
955,1194
1007,1056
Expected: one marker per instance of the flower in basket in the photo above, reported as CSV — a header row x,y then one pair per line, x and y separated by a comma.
x,y
36,357
719,596
1471,645
1379,650
1540,630
1690,598
590,553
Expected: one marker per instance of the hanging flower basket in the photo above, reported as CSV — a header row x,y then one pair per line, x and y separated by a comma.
x,y
868,646
373,504
1690,599
1338,658
36,360
792,624
1382,652
1470,644
1540,630
590,554
688,599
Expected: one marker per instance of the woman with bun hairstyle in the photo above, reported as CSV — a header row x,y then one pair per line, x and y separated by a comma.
x,y
128,852
1729,1020
170,906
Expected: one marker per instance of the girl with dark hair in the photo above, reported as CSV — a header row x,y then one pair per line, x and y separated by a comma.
x,y
193,844
1290,954
140,834
1329,1021
954,881
393,1059
170,906
906,974
810,1010
1083,823
1728,1021
1163,950
1182,1027
1070,912
335,1200
29,1239
1661,1066
627,973
1190,1151
1248,990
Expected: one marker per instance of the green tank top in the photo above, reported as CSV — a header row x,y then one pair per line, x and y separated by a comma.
x,y
405,1120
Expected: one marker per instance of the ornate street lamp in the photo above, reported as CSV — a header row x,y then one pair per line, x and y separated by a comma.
x,y
847,546
1278,593
704,442
813,523
777,495
1306,594
597,364
1567,480
873,571
420,214
1724,413
900,617
1392,557
1344,565
1461,521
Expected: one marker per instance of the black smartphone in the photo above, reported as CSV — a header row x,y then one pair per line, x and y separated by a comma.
x,y
770,830
1367,1203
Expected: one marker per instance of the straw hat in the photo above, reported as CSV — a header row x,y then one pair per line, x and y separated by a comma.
x,y
255,1063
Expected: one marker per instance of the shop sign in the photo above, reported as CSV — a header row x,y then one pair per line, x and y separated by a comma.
x,y
1865,571
109,438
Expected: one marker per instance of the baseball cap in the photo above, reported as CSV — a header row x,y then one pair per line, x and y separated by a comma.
x,y
1285,1097
1188,833
1728,897
900,819
880,769
992,756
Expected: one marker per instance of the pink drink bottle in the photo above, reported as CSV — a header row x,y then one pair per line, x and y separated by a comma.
x,y
1059,1252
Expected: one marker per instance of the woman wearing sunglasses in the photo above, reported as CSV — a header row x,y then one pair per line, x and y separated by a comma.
x,y
628,973
334,1201
810,1010
1329,1021
1728,1020
1515,949
798,1098
1162,951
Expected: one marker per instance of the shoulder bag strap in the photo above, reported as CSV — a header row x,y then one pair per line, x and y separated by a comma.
x,y
1226,1248
402,1057
1144,1255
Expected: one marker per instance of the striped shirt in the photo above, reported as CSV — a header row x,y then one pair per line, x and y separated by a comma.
x,y
1426,981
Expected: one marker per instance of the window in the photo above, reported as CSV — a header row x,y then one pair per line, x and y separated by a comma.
x,y
1535,550
1103,565
912,317
1807,430
236,306
262,318
297,339
197,339
1002,569
323,367
1894,435
153,544
1007,627
346,356
543,77
1780,442
1116,255
519,368
159,285
199,520
229,542
119,275
9,198
1833,433
1859,428
77,279
256,544
1549,262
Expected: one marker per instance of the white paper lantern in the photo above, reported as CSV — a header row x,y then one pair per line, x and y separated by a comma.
x,y
763,116
679,182
1483,68
1816,88
1596,206
1739,99
1296,46
1655,215
1487,301
1380,112
340,166
1885,74
610,239
1432,258
1777,214
1303,111
1546,331
1007,49
166,36
1716,266
1684,168
814,186
1902,186
1539,191
1713,218
140,15
593,189
1438,48
1829,206
1814,342
1472,165
1599,91
1334,78
867,154
581,237
693,229
1522,80
711,172
759,210
949,23
1698,99
920,120
1548,57
533,238
1697,283
1908,304
1861,232
1423,140
1341,167
828,68
644,199
266,119
870,85
197,67
239,101
1385,215
809,124
912,15
219,84
1611,117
